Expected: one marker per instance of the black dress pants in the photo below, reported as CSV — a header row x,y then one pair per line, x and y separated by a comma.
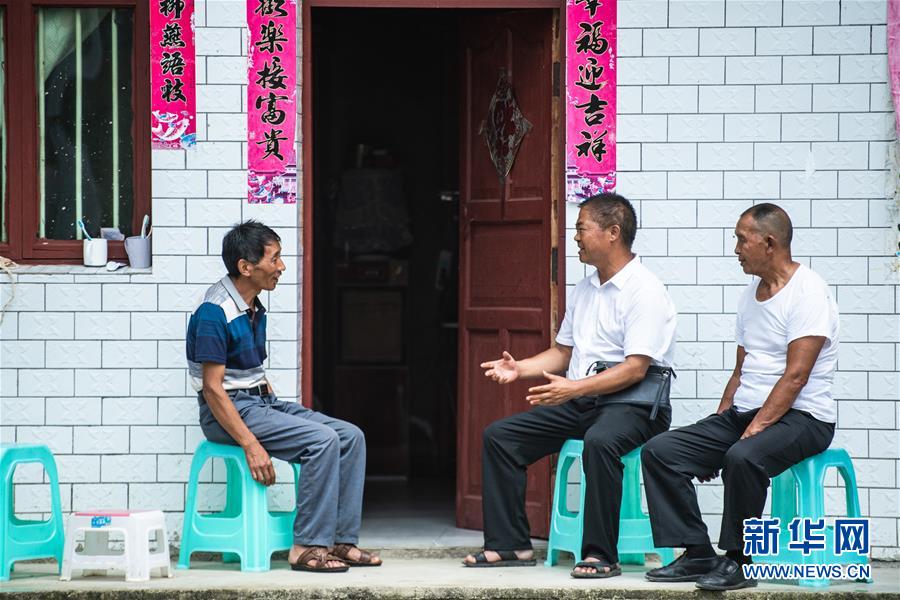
x,y
671,460
511,444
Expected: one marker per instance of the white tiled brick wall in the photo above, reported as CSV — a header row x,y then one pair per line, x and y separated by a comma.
x,y
721,103
93,363
798,115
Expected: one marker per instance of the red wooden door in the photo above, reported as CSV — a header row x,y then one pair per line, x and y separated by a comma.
x,y
505,241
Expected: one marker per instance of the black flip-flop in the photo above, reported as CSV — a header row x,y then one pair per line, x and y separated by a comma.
x,y
599,573
508,558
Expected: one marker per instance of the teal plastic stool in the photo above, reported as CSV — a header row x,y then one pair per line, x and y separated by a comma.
x,y
24,539
800,492
566,527
245,530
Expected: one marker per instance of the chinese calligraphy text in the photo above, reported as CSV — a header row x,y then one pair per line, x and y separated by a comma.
x,y
590,98
271,101
173,100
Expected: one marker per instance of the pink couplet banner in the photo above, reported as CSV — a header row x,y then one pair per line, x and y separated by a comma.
x,y
272,101
173,96
893,44
590,98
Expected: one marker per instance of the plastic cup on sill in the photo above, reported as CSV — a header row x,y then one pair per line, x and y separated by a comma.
x,y
95,252
138,250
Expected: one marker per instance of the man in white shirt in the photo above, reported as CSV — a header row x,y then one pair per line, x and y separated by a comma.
x,y
776,410
618,335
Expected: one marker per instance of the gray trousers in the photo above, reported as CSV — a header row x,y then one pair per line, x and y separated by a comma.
x,y
333,455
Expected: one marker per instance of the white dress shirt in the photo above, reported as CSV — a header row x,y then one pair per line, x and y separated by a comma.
x,y
630,314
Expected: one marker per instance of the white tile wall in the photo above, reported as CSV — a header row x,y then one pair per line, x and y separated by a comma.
x,y
94,366
722,103
799,119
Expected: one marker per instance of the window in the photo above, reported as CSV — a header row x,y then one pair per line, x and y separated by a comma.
x,y
4,237
74,131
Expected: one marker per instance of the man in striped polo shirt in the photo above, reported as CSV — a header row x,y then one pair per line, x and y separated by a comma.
x,y
226,347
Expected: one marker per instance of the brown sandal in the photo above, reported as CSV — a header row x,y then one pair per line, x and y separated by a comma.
x,y
342,552
321,556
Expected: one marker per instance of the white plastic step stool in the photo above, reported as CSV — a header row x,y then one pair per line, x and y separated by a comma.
x,y
136,559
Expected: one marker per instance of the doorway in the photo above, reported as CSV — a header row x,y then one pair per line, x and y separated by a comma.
x,y
412,218
386,172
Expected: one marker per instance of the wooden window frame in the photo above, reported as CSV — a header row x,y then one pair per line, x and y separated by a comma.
x,y
23,245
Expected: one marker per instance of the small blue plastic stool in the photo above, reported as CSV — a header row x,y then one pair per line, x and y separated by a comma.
x,y
567,527
245,530
800,492
24,539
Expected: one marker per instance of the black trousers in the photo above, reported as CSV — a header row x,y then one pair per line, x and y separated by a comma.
x,y
671,460
513,443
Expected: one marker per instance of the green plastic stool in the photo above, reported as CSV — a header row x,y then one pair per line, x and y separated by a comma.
x,y
245,530
800,492
567,527
24,539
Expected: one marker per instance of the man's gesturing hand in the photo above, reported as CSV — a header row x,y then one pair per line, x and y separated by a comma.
x,y
559,390
503,370
260,464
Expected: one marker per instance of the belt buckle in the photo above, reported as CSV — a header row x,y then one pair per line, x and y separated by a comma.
x,y
598,366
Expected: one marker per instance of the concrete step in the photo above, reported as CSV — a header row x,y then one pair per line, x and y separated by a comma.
x,y
405,578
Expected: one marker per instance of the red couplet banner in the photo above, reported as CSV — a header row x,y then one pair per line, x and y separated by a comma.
x,y
590,98
272,101
173,96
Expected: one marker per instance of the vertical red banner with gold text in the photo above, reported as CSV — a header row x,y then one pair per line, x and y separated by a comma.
x,y
173,96
272,102
590,98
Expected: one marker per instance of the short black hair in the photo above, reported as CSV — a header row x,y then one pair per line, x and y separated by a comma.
x,y
772,220
608,209
247,240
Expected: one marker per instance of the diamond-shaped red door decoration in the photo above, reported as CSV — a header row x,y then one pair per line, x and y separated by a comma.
x,y
504,127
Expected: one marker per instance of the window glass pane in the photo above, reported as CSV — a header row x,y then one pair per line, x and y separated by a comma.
x,y
85,149
3,209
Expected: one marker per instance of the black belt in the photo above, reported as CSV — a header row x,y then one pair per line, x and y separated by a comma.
x,y
598,366
257,390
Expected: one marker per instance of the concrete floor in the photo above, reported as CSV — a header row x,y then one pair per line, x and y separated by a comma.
x,y
421,515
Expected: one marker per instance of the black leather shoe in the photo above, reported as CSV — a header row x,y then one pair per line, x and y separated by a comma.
x,y
683,569
728,575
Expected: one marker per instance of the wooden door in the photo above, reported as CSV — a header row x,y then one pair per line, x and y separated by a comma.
x,y
505,240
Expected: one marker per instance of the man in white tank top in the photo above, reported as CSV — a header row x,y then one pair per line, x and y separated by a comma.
x,y
776,410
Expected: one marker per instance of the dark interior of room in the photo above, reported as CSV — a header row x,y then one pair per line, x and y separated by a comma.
x,y
385,166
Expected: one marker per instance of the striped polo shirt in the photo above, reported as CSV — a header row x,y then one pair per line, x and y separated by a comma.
x,y
220,331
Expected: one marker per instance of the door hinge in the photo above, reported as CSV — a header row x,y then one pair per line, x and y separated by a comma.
x,y
556,79
554,264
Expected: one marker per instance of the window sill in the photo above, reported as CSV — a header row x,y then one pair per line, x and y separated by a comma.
x,y
76,270
72,273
